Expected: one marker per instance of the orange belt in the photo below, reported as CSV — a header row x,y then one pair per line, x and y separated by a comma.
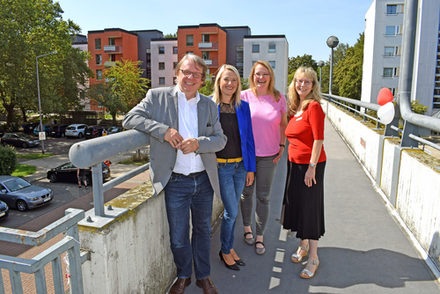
x,y
229,160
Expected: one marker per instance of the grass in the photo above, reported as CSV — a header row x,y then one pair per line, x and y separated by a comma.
x,y
23,170
33,155
136,160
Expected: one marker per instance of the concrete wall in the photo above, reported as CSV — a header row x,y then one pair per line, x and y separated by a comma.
x,y
132,254
407,177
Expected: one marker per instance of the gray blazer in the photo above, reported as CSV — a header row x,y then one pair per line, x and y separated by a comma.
x,y
156,113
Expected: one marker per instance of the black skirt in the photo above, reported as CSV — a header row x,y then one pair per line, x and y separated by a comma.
x,y
303,207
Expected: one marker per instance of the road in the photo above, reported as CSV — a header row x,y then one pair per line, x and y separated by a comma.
x,y
66,195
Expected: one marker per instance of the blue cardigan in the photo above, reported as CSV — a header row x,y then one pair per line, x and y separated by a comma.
x,y
246,135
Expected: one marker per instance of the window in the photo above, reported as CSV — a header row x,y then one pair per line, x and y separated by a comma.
x,y
98,74
98,59
393,9
393,90
174,50
174,64
98,44
161,81
161,50
189,40
272,63
392,30
255,48
389,72
272,48
189,52
112,57
111,41
161,65
205,55
391,50
205,38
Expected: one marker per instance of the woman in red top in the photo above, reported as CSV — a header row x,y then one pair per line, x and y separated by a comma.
x,y
303,205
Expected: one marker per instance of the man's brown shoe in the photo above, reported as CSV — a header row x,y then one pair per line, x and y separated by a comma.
x,y
179,286
207,285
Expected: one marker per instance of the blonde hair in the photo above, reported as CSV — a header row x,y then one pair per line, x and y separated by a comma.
x,y
197,61
271,88
217,95
314,95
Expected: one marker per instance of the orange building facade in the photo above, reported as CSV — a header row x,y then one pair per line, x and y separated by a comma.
x,y
205,40
106,47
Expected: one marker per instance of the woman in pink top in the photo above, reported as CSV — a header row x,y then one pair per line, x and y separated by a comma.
x,y
269,120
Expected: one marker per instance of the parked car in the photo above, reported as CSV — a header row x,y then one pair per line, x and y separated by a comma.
x,y
29,127
4,209
114,129
93,132
46,129
67,172
19,140
76,130
22,195
58,131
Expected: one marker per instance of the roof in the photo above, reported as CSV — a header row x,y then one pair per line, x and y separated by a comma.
x,y
264,36
110,30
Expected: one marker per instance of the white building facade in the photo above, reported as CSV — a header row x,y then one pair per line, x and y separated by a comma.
x,y
382,51
271,48
163,62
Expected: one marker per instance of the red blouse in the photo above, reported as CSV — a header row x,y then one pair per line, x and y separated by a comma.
x,y
302,131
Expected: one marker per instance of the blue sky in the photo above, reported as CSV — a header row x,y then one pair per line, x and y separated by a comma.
x,y
307,24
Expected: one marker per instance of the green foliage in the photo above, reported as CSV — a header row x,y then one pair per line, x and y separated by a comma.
x,y
124,88
418,107
208,86
8,160
348,71
168,36
23,170
30,156
305,60
244,84
29,29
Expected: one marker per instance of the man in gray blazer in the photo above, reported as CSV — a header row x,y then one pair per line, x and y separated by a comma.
x,y
185,133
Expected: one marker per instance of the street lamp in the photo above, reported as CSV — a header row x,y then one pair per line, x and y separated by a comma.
x,y
41,137
320,65
332,42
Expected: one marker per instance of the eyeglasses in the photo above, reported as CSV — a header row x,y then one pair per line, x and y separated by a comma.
x,y
305,82
187,73
260,75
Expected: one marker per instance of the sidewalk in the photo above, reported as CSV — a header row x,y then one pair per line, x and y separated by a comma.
x,y
363,250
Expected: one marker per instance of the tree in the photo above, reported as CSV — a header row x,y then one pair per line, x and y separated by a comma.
x,y
338,54
348,71
124,89
296,62
29,29
169,36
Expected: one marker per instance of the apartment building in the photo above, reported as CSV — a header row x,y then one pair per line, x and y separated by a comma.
x,y
80,42
106,47
205,40
382,51
271,48
234,45
144,49
163,61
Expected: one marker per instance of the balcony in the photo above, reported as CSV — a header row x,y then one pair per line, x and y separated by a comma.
x,y
113,48
208,45
109,63
211,62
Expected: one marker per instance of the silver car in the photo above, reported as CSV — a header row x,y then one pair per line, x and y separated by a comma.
x,y
21,195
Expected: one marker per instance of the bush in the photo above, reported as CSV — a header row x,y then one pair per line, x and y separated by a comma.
x,y
8,160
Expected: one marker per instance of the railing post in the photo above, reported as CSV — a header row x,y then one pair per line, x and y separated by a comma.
x,y
408,129
98,192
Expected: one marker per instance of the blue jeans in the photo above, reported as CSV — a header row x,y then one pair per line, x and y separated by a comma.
x,y
182,195
232,178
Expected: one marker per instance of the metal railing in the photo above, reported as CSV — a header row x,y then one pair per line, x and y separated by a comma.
x,y
70,244
92,153
414,119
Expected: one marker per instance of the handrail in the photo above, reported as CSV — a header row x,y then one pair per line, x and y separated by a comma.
x,y
91,153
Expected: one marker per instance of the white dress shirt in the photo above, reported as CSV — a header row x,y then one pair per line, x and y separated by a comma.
x,y
188,128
